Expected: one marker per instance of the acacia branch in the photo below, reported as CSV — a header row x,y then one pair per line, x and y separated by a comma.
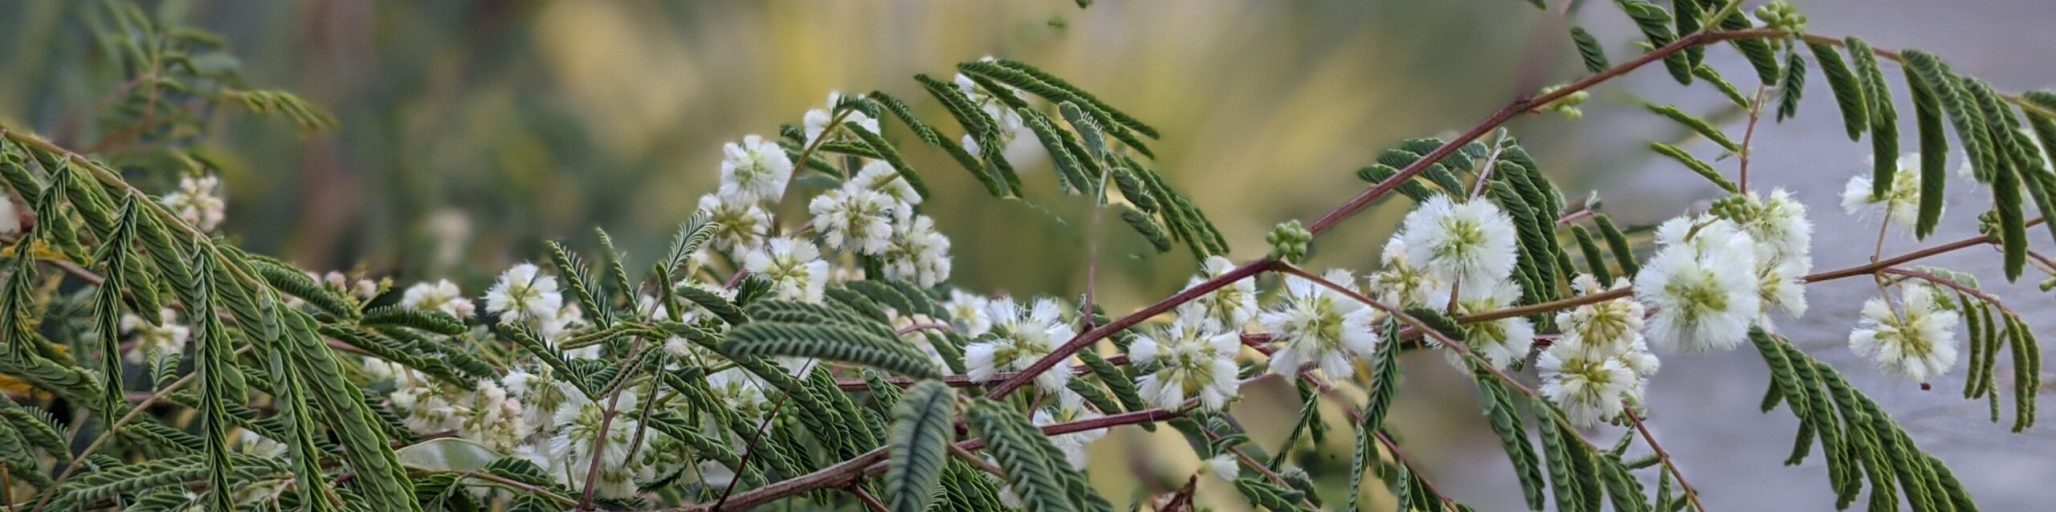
x,y
847,471
1880,266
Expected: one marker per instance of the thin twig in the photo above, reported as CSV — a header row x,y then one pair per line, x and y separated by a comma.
x,y
870,502
1749,134
1691,493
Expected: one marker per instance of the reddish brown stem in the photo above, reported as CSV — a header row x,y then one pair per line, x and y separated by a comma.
x,y
1691,493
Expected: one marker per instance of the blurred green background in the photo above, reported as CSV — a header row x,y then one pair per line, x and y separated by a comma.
x,y
471,131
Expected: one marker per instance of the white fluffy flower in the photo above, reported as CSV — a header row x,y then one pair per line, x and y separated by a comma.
x,y
880,177
441,295
570,454
754,170
739,391
1469,243
1702,285
1589,385
1224,466
198,201
1778,225
1611,325
917,253
523,293
165,338
1780,286
1318,325
1195,360
1401,283
1498,342
1900,205
1233,305
1070,407
742,224
1784,252
1018,338
856,219
967,313
816,121
1917,342
793,266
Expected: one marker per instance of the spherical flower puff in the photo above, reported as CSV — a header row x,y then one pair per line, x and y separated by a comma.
x,y
442,295
1917,342
1070,407
878,176
1319,325
1779,227
197,201
1900,205
740,225
1468,242
1402,283
793,266
1610,325
754,170
917,253
1197,360
855,219
1499,342
1019,337
1232,306
967,312
524,293
1703,288
1589,385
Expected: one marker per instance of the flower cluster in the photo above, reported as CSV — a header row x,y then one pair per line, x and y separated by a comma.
x,y
1462,253
198,201
1914,339
534,412
1601,361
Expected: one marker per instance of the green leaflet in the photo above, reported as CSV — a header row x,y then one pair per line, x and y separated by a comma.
x,y
1756,50
1589,50
1700,167
1847,87
1271,496
1924,82
1859,441
1505,420
1384,387
1734,95
1411,188
921,431
1699,126
1883,121
1656,25
1100,109
927,134
291,281
341,405
830,342
426,320
1793,86
1035,470
212,359
1563,476
1594,263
